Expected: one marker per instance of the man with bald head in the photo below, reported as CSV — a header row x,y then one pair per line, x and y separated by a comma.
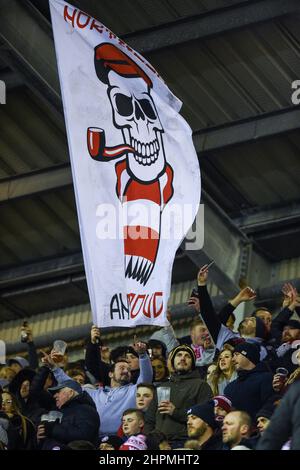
x,y
235,430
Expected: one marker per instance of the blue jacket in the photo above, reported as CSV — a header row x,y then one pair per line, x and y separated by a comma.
x,y
112,402
251,389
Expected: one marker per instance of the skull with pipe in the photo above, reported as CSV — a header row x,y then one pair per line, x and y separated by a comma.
x,y
149,176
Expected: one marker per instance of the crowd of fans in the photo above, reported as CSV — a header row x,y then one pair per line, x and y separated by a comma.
x,y
216,389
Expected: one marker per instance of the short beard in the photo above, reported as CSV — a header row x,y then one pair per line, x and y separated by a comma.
x,y
124,382
198,432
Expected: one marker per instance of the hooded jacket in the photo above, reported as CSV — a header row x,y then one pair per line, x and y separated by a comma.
x,y
186,390
251,389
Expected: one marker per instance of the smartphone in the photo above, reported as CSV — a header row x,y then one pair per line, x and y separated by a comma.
x,y
210,264
194,293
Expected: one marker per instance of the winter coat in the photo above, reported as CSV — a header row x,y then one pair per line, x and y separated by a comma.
x,y
80,421
21,433
186,390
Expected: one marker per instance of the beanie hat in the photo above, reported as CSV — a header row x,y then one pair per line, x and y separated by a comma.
x,y
186,348
267,410
294,324
250,351
205,412
260,330
135,443
223,402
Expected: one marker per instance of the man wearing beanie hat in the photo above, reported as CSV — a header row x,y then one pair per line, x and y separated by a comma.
x,y
222,406
186,390
263,416
201,425
253,385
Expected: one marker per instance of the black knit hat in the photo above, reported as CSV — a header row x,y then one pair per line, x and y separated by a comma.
x,y
250,351
294,324
206,412
267,410
183,347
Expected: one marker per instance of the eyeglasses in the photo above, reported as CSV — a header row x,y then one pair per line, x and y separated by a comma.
x,y
6,402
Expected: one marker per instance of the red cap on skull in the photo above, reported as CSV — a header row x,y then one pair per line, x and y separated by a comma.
x,y
109,57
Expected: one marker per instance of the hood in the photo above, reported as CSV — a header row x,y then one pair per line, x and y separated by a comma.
x,y
260,368
24,374
193,374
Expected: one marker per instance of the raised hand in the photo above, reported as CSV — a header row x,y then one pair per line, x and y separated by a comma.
x,y
290,293
95,334
140,348
47,360
203,275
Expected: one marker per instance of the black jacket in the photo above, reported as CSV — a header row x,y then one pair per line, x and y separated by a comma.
x,y
94,364
213,443
285,422
21,434
251,389
80,422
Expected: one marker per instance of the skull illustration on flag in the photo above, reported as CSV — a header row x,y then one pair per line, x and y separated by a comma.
x,y
144,174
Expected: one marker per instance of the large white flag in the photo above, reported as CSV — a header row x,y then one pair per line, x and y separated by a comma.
x,y
135,171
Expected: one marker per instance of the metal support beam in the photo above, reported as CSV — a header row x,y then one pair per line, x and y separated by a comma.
x,y
205,141
269,294
35,182
211,23
11,79
270,219
223,243
41,271
247,130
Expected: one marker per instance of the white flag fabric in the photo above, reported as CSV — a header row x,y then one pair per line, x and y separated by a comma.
x,y
135,170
